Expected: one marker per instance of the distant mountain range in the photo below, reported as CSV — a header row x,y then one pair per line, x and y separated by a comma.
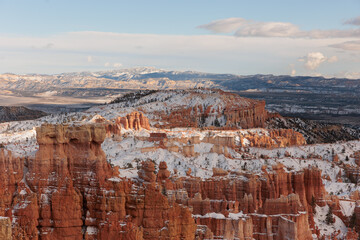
x,y
301,96
152,78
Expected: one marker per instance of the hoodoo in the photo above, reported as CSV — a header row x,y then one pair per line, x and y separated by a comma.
x,y
177,169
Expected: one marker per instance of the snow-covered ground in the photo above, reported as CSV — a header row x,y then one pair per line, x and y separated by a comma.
x,y
128,153
328,229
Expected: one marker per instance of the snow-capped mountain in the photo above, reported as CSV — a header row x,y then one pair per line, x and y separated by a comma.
x,y
302,96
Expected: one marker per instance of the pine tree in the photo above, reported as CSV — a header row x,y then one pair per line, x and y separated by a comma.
x,y
352,220
313,204
329,217
164,191
217,123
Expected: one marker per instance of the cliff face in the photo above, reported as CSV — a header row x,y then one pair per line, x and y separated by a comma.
x,y
275,204
235,141
206,108
234,112
134,121
69,191
5,228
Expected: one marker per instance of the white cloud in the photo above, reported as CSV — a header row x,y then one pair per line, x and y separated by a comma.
x,y
333,59
347,74
349,45
89,59
225,25
117,65
314,59
352,75
49,45
293,71
249,28
353,21
267,29
210,53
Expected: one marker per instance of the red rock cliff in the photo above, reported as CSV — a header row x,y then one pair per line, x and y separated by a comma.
x,y
233,112
69,191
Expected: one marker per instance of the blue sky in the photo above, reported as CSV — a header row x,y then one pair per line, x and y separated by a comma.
x,y
241,37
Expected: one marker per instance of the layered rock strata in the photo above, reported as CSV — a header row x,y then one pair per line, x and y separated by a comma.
x,y
234,112
69,191
275,204
134,121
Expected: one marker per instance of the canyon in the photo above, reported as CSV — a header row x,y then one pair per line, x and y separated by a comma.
x,y
196,164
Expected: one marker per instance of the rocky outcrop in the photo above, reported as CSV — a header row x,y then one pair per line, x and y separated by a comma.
x,y
134,120
221,150
227,228
357,214
11,170
276,138
314,131
80,196
154,137
147,172
250,117
233,112
274,204
69,191
5,228
68,176
159,218
219,172
163,173
227,141
356,155
189,151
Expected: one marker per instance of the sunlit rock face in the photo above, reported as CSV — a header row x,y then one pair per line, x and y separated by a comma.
x,y
69,191
115,175
219,109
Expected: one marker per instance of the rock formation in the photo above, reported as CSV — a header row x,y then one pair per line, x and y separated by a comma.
x,y
5,228
134,120
237,207
70,191
276,138
163,173
239,112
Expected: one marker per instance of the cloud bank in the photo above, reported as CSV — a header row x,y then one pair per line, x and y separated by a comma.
x,y
92,51
349,45
241,27
353,21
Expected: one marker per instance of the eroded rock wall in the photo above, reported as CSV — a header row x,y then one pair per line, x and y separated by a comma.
x,y
69,191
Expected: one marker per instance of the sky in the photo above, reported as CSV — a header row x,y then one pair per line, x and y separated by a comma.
x,y
305,37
